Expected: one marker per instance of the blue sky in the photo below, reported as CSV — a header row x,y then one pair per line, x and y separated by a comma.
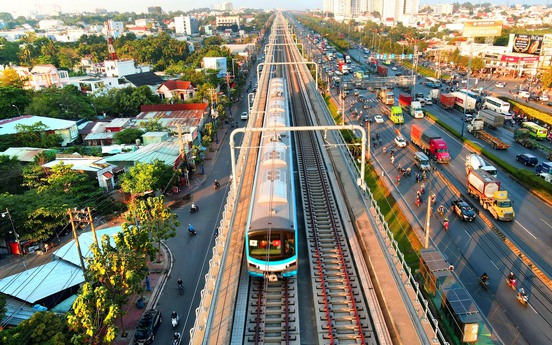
x,y
140,6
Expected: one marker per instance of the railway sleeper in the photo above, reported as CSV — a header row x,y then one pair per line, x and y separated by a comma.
x,y
254,340
334,307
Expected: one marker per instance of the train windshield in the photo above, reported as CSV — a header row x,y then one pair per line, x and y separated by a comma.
x,y
279,246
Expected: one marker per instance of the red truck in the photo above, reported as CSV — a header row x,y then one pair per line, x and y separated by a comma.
x,y
405,100
447,100
430,142
382,71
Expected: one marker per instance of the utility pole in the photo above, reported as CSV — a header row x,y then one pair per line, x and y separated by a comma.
x,y
75,235
467,86
414,70
7,213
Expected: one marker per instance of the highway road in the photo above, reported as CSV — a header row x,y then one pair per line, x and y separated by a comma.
x,y
472,247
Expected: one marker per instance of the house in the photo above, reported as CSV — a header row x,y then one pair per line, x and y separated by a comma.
x,y
94,166
155,137
43,76
24,154
147,78
167,152
49,285
178,89
65,128
172,116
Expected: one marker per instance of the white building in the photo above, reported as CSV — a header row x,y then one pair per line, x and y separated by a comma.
x,y
218,63
116,29
142,22
442,9
46,24
186,25
120,68
228,22
225,6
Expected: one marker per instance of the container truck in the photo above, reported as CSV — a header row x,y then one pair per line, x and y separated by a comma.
x,y
475,162
386,96
462,100
434,94
447,100
486,188
405,100
430,142
491,118
415,109
382,71
476,128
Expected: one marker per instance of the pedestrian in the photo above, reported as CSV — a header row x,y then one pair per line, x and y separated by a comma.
x,y
46,247
377,135
393,160
380,143
417,177
418,194
399,179
375,144
384,149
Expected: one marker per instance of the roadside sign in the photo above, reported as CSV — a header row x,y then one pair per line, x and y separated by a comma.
x,y
482,28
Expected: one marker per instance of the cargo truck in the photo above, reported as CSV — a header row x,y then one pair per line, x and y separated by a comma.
x,y
411,107
347,58
382,71
386,96
475,162
523,136
447,101
486,188
476,128
434,94
405,100
462,100
491,118
430,142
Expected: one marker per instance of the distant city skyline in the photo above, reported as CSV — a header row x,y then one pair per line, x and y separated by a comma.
x,y
140,6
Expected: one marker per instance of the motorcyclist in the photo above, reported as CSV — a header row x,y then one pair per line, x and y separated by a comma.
x,y
484,277
176,337
446,224
441,209
511,277
191,228
174,315
521,294
179,282
433,199
193,207
216,184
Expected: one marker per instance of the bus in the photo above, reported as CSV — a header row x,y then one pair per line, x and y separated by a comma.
x,y
535,130
497,105
433,83
396,115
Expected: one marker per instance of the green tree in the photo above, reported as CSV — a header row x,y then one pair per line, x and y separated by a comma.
x,y
155,218
153,125
11,172
13,100
477,64
128,136
145,177
65,103
93,316
36,135
9,52
126,101
43,327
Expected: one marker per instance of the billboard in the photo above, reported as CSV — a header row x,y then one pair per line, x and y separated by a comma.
x,y
482,28
527,44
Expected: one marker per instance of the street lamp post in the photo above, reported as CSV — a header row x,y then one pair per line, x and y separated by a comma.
x,y
467,89
7,213
18,111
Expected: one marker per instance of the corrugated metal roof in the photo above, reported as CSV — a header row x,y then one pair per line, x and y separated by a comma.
x,y
40,282
78,163
24,154
7,126
167,152
70,253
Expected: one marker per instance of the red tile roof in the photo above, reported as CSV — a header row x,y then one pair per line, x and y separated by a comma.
x,y
173,107
176,84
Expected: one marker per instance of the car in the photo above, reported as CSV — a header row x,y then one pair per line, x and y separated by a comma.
x,y
398,74
378,119
546,176
400,142
394,68
419,96
463,210
356,92
244,115
524,94
527,159
544,98
147,327
366,106
428,100
500,84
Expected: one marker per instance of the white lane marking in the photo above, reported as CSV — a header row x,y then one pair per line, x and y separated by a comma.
x,y
495,265
550,226
529,232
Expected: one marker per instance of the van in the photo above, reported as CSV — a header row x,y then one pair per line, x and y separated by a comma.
x,y
544,167
421,161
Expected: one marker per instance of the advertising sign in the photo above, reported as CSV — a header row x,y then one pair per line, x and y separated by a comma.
x,y
527,44
482,28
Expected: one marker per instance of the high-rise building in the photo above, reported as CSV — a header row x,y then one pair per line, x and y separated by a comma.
x,y
395,9
186,25
443,9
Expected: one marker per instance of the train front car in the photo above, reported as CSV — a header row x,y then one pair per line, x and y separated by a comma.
x,y
271,237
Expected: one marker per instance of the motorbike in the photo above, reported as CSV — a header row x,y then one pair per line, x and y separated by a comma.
x,y
216,185
484,283
511,283
191,230
194,208
176,339
174,321
523,299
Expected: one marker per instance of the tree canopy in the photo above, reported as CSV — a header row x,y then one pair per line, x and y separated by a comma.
x,y
146,177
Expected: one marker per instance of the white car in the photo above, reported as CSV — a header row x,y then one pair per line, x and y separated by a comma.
x,y
400,142
500,84
544,98
428,100
378,119
394,68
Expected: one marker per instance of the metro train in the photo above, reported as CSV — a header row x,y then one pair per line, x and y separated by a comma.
x,y
271,235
